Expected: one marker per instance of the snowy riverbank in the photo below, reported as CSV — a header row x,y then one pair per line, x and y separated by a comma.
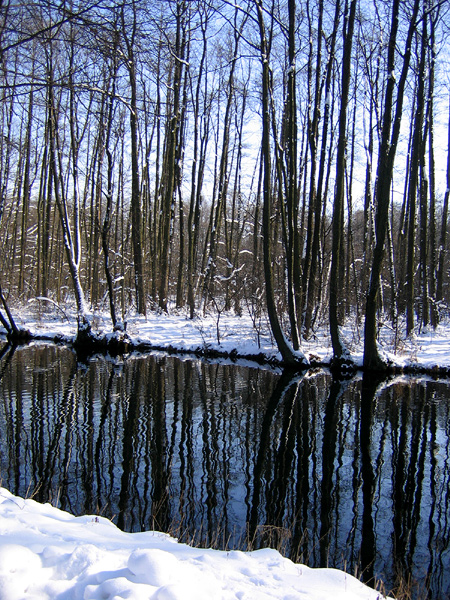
x,y
239,335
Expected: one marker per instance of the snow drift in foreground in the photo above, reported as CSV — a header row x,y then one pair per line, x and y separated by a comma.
x,y
47,553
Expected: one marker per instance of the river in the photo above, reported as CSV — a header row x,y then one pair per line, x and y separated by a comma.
x,y
352,473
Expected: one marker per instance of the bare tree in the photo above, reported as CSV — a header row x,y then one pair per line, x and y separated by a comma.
x,y
129,33
340,353
388,148
289,356
171,162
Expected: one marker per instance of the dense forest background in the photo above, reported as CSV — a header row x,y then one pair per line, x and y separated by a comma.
x,y
278,157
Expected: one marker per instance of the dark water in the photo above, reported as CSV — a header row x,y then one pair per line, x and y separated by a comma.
x,y
348,474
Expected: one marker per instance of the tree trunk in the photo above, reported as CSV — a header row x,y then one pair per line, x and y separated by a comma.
x,y
415,186
198,162
340,353
432,177
180,299
70,239
289,357
26,191
170,175
136,218
293,278
109,191
311,285
443,235
388,147
224,168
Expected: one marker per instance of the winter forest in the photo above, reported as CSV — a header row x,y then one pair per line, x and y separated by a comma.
x,y
279,157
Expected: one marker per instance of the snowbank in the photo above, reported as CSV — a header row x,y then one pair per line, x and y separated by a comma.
x,y
47,553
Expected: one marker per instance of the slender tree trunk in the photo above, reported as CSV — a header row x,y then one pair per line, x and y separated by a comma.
x,y
45,203
136,217
109,193
442,254
340,353
197,172
312,284
224,167
313,128
26,191
70,239
368,205
424,254
403,225
415,186
180,298
291,177
388,147
170,174
287,353
394,305
432,178
154,236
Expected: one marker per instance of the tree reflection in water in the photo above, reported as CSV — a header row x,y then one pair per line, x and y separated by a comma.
x,y
352,473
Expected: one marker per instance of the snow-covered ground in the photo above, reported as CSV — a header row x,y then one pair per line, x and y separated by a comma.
x,y
242,335
47,553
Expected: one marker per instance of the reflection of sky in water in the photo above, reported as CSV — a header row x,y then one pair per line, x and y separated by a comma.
x,y
334,473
